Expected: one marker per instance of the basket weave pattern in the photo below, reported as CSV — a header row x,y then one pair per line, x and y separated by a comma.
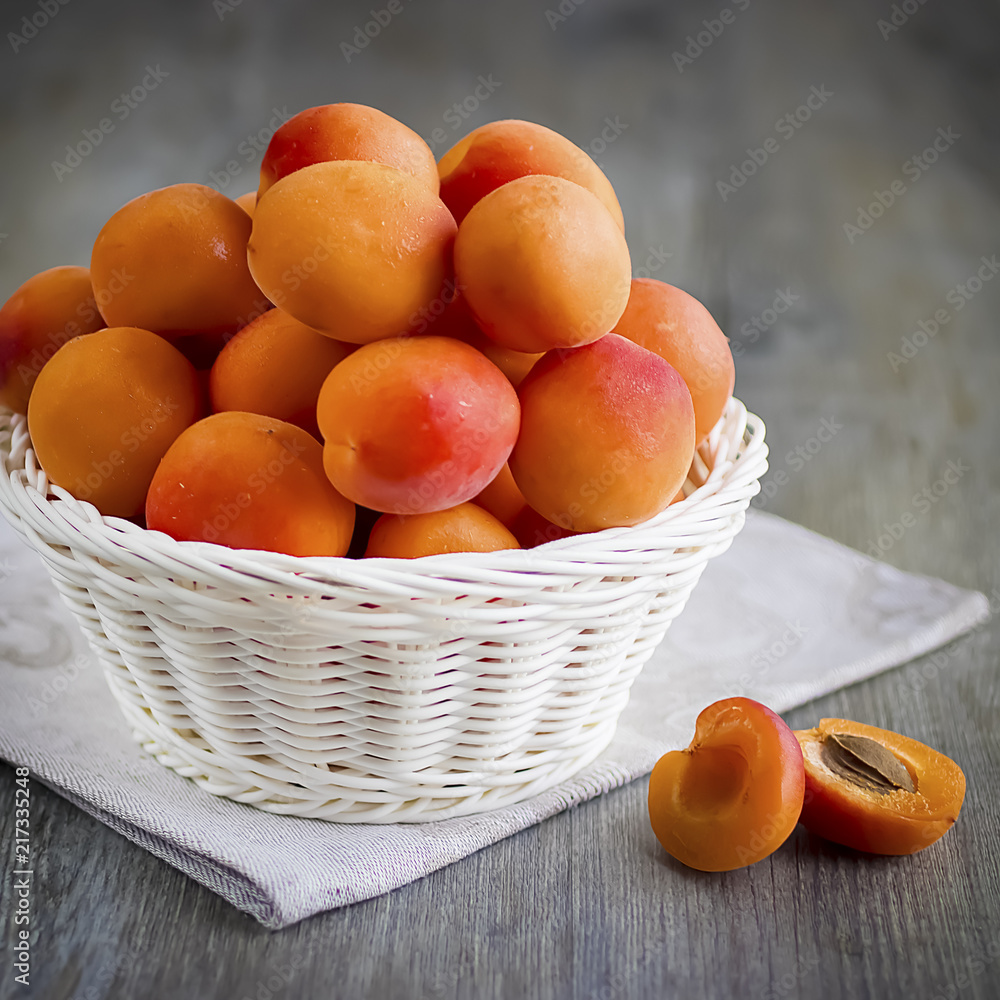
x,y
379,690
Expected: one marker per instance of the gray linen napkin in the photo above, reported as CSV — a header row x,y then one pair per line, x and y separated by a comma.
x,y
784,616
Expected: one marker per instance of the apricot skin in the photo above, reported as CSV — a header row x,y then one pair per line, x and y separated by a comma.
x,y
607,435
542,265
675,325
364,266
174,261
416,424
249,481
346,132
104,411
498,152
275,366
464,528
49,309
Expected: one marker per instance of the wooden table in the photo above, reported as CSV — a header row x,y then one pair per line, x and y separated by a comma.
x,y
881,330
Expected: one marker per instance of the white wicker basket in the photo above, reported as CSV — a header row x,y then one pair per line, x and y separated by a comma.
x,y
379,690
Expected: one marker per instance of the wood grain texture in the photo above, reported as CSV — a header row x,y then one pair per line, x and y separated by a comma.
x,y
586,904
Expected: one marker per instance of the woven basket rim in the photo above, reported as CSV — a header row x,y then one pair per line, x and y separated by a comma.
x,y
723,471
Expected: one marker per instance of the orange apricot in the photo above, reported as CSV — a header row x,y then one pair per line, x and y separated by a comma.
x,y
464,528
248,202
876,790
174,261
501,497
346,132
352,249
501,151
416,424
275,366
531,529
47,310
735,794
675,325
542,265
249,482
607,435
104,411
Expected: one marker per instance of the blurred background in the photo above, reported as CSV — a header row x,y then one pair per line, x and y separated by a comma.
x,y
823,176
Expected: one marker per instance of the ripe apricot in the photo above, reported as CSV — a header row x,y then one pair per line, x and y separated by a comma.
x,y
174,261
104,411
734,795
876,790
352,249
607,435
416,424
275,366
47,310
249,482
464,528
514,364
531,529
675,325
346,132
542,265
501,497
501,151
248,202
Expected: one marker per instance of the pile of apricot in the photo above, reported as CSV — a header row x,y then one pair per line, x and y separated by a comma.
x,y
374,354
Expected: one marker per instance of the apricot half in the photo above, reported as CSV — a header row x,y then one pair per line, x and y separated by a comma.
x,y
875,790
735,794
